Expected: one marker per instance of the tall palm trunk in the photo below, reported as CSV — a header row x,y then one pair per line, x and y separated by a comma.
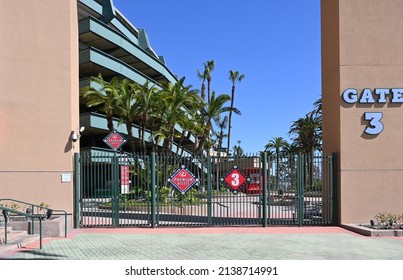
x,y
143,131
234,76
109,119
230,118
208,89
130,135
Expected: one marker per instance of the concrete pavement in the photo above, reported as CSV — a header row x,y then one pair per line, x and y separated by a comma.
x,y
213,243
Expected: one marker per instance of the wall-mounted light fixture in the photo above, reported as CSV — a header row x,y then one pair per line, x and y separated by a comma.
x,y
74,136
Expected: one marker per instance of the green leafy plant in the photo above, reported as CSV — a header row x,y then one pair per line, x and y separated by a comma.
x,y
163,194
42,208
381,218
15,206
389,220
191,197
399,220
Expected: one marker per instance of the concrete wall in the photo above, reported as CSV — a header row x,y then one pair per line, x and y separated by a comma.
x,y
38,100
362,47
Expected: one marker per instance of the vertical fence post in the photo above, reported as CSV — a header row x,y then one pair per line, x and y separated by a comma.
x,y
335,198
115,192
153,194
32,221
265,206
5,226
300,189
40,233
76,190
209,192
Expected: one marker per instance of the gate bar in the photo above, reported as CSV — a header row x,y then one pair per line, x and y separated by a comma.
x,y
265,206
209,192
76,190
153,201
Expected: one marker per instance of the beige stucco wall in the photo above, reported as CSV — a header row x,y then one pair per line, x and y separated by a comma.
x,y
369,36
38,100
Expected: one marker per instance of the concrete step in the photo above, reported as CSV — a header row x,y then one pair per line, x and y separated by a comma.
x,y
15,240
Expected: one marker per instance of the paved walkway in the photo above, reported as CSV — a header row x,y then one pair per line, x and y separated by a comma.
x,y
253,243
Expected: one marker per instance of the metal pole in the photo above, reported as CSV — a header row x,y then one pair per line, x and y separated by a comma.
x,y
209,192
334,191
265,186
115,192
40,233
33,219
65,225
5,230
153,200
76,193
300,190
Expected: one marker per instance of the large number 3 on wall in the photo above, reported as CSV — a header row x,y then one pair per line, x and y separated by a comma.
x,y
375,126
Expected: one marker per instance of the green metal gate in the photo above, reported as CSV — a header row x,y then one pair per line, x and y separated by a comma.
x,y
115,190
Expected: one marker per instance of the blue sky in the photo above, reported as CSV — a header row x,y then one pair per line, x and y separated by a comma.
x,y
276,44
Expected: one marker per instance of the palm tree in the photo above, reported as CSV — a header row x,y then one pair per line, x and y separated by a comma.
x,y
203,77
210,67
127,107
188,128
234,76
222,125
238,150
147,102
308,132
308,137
276,144
318,106
176,98
210,112
291,150
105,97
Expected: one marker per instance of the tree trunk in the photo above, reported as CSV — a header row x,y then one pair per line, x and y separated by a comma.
x,y
230,118
109,119
130,135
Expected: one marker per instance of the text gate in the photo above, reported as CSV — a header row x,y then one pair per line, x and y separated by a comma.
x,y
116,190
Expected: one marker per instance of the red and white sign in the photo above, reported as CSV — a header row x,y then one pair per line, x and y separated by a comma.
x,y
114,140
182,179
235,179
124,179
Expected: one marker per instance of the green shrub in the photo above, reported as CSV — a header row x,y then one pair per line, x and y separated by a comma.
x,y
387,220
163,194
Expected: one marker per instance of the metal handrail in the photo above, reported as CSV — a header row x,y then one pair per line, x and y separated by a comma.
x,y
6,210
48,211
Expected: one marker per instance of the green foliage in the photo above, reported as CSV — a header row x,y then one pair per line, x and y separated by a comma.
x,y
163,194
14,206
388,220
191,197
317,185
381,218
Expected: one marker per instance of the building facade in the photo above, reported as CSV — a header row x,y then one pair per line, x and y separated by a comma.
x,y
362,59
52,50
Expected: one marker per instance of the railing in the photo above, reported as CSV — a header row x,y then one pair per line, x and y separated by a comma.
x,y
43,212
6,210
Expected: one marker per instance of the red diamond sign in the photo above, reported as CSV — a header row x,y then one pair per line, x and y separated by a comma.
x,y
235,179
182,179
114,140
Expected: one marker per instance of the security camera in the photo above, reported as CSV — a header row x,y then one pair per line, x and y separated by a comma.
x,y
74,137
